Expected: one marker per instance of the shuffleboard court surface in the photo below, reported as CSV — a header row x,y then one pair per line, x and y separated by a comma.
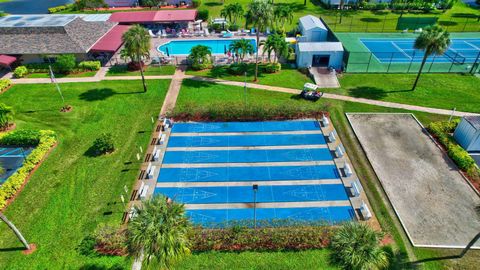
x,y
241,156
256,173
333,214
11,159
246,140
267,126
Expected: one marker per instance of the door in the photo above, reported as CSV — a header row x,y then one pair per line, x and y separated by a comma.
x,y
320,60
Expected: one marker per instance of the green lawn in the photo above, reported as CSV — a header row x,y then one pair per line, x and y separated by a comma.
x,y
73,75
150,71
200,96
71,193
313,259
287,77
446,91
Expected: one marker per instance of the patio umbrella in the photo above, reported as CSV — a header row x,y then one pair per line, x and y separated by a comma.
x,y
224,49
168,52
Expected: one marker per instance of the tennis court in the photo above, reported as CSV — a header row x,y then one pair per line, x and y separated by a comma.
x,y
212,167
11,158
402,51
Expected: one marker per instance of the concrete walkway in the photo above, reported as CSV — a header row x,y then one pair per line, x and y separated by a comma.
x,y
338,97
173,90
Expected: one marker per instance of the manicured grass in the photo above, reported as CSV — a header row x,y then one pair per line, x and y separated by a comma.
x,y
150,71
312,259
446,91
287,77
73,75
201,96
72,192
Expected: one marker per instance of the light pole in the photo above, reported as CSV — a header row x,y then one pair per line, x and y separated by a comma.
x,y
255,189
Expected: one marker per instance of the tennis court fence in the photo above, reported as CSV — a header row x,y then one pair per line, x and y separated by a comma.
x,y
367,62
390,25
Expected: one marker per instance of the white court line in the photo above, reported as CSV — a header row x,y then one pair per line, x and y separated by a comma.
x,y
195,134
248,164
266,205
401,50
225,148
477,48
186,184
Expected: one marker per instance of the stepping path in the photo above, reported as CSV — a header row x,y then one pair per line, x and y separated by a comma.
x,y
173,90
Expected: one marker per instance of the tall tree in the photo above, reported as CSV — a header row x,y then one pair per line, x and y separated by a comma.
x,y
241,48
282,14
15,230
160,231
433,40
232,12
137,46
275,44
200,55
356,246
261,16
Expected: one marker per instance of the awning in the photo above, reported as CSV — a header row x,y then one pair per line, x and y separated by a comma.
x,y
6,60
112,41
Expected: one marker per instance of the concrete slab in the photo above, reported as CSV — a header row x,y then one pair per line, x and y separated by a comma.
x,y
433,201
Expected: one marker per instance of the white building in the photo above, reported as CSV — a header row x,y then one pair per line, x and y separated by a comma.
x,y
313,48
467,133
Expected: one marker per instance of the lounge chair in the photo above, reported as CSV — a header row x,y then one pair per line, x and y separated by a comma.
x,y
227,34
206,32
418,31
150,32
164,33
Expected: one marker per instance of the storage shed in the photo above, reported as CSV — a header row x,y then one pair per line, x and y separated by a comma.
x,y
467,133
312,29
319,54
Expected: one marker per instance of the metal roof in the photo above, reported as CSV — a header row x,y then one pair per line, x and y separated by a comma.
x,y
474,121
154,16
95,17
41,20
112,41
310,22
320,47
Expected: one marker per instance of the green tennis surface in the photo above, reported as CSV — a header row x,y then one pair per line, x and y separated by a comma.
x,y
359,59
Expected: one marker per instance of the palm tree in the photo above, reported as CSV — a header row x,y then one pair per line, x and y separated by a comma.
x,y
433,40
275,44
232,12
241,48
340,6
283,14
159,231
6,116
261,15
356,246
15,230
199,55
137,46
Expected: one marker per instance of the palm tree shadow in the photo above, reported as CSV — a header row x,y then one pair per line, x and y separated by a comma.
x,y
12,249
371,92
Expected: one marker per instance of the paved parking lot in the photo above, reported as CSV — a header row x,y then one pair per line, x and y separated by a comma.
x,y
434,203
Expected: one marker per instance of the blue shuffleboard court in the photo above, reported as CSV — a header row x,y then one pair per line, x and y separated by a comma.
x,y
246,140
11,159
212,167
401,50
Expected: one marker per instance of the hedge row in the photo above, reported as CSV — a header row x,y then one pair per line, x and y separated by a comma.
x,y
4,84
442,131
263,239
44,139
22,71
60,8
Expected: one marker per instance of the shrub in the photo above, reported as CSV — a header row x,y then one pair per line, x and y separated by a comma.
x,y
4,84
20,72
238,238
60,8
65,63
272,68
196,3
46,140
23,137
216,27
6,116
103,144
89,65
237,68
233,27
201,66
111,241
87,246
203,14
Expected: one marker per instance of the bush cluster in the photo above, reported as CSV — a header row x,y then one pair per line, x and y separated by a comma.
x,y
203,14
263,239
107,240
271,68
4,84
60,8
442,131
201,66
89,65
103,144
80,67
46,140
20,72
196,3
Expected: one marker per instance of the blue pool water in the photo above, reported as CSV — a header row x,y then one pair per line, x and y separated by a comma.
x,y
183,47
401,50
209,167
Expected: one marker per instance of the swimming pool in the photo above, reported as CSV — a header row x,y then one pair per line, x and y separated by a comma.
x,y
183,47
212,167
